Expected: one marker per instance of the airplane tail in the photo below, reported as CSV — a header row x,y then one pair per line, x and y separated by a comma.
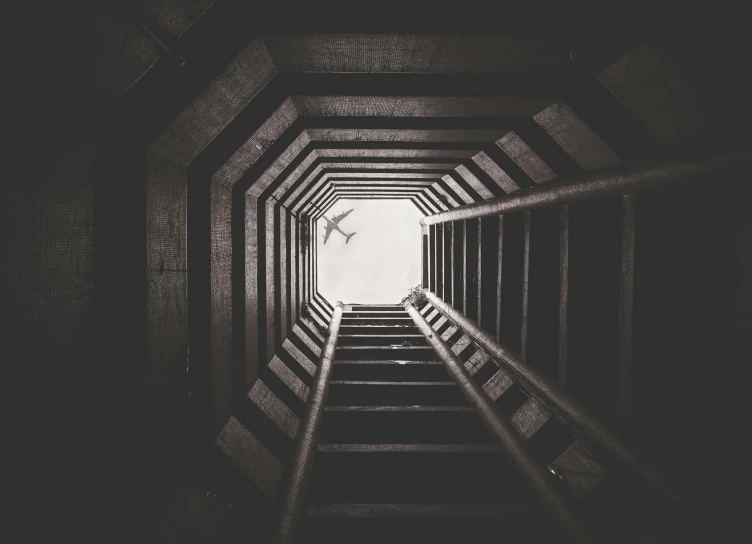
x,y
349,236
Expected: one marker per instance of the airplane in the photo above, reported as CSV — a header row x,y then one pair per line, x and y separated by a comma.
x,y
332,224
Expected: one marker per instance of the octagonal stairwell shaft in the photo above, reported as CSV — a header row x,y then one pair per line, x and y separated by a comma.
x,y
298,475
501,428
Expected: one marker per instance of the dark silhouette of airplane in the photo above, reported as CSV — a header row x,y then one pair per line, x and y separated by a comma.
x,y
333,224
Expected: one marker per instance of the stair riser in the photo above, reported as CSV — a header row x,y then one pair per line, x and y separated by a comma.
x,y
381,340
390,372
358,353
375,330
416,478
395,395
383,321
403,428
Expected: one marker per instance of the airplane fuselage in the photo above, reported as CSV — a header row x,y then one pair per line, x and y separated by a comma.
x,y
333,225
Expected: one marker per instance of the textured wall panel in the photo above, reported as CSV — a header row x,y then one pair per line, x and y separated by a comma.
x,y
247,155
281,191
217,105
397,135
405,53
410,106
252,353
495,172
251,457
290,196
398,153
474,182
299,356
177,16
283,275
221,301
166,245
285,158
652,88
576,138
289,378
526,158
270,323
300,333
454,186
277,410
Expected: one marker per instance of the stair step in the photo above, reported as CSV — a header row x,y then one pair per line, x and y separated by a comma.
x,y
406,321
413,353
350,510
381,340
445,529
391,370
352,393
377,313
417,477
411,448
377,308
419,425
377,330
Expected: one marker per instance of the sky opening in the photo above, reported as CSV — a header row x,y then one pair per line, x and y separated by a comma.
x,y
380,262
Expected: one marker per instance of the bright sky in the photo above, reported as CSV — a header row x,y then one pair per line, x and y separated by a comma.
x,y
381,261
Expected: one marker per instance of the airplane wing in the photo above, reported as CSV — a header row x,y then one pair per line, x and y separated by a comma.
x,y
340,217
329,229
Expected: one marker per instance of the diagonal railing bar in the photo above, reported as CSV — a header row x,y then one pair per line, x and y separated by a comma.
x,y
552,394
501,428
298,476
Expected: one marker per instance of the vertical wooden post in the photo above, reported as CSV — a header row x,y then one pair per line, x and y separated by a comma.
x,y
626,309
525,286
499,277
563,292
432,257
440,260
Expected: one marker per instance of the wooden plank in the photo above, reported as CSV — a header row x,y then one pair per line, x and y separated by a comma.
x,y
498,383
458,234
251,457
499,270
626,310
530,417
563,292
432,258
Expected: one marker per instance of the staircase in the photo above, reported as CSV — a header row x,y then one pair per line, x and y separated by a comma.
x,y
402,457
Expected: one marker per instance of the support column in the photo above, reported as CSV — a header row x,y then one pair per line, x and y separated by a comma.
x,y
432,257
296,484
440,260
447,264
458,240
498,424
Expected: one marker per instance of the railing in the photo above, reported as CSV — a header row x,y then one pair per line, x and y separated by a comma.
x,y
298,476
563,403
499,425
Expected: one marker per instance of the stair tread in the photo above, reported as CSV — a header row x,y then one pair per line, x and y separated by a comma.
x,y
372,382
410,448
420,510
397,408
385,362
